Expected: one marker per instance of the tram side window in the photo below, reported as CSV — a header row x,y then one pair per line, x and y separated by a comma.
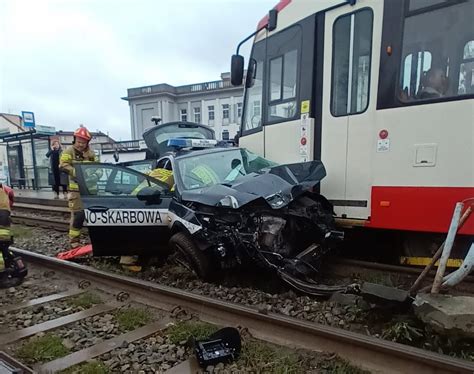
x,y
437,52
283,66
283,71
352,49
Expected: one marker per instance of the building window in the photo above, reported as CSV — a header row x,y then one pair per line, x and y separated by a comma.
x,y
225,111
225,135
351,60
197,115
184,115
256,108
210,112
466,75
239,110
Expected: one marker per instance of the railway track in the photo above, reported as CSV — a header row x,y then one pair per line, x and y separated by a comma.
x,y
341,266
47,223
370,353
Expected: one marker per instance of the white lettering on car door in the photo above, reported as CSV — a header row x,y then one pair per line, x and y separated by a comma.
x,y
127,217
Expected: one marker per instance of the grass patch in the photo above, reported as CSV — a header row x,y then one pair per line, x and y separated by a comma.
x,y
44,348
402,332
379,278
411,331
105,264
267,358
261,357
93,367
183,330
84,300
338,365
132,318
19,231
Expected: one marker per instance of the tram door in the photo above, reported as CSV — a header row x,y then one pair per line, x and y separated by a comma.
x,y
351,55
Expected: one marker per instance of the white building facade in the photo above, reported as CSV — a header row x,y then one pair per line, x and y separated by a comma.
x,y
217,104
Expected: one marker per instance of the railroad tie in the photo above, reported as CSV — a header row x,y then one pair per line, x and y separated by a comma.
x,y
55,323
43,300
191,365
101,348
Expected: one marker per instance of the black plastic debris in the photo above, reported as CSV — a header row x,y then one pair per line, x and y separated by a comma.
x,y
222,346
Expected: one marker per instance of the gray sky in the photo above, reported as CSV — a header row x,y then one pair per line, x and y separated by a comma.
x,y
71,61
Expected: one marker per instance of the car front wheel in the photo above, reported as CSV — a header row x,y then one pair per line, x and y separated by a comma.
x,y
189,255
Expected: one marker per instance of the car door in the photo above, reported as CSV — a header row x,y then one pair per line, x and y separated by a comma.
x,y
119,220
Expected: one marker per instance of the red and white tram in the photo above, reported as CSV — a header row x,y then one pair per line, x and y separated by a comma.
x,y
382,92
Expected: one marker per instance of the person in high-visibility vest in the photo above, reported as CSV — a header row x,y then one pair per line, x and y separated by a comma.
x,y
78,152
166,176
12,269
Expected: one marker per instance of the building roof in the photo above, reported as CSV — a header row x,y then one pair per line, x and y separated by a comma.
x,y
94,135
189,89
13,119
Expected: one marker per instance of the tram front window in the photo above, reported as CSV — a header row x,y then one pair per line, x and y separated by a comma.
x,y
438,51
254,92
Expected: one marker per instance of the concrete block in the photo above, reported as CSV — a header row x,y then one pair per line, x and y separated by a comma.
x,y
449,315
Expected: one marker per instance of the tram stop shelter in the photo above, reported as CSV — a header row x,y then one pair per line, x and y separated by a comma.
x,y
28,166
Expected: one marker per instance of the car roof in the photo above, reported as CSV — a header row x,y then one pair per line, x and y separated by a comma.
x,y
182,153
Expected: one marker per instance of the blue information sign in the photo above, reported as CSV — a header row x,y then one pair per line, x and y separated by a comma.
x,y
28,119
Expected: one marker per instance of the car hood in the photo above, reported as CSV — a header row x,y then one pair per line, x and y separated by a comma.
x,y
277,186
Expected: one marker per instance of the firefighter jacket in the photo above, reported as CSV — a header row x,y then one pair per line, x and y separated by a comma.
x,y
6,202
69,157
163,175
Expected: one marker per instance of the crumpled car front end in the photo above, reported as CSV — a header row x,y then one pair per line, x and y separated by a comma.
x,y
273,218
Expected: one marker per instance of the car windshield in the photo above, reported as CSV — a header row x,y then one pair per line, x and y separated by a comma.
x,y
219,167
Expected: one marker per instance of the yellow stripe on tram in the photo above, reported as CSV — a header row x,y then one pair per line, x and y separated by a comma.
x,y
423,261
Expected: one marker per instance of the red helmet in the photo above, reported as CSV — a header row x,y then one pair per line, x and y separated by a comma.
x,y
83,133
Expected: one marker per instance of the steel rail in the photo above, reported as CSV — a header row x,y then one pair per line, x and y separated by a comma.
x,y
40,222
345,265
371,353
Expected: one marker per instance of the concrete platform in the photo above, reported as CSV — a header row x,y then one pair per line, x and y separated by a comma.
x,y
42,197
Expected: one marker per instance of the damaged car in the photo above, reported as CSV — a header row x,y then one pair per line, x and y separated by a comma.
x,y
217,207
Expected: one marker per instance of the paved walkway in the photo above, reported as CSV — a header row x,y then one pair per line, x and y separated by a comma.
x,y
41,194
42,197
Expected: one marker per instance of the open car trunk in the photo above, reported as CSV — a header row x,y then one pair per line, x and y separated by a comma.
x,y
156,138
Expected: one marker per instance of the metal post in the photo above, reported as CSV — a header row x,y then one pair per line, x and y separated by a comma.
x,y
453,228
35,172
416,286
457,276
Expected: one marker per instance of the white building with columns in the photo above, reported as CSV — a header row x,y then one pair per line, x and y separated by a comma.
x,y
217,104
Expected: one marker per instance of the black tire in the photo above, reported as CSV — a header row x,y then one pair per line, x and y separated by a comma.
x,y
195,259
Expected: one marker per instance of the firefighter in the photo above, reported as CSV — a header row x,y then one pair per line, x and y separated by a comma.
x,y
12,269
78,152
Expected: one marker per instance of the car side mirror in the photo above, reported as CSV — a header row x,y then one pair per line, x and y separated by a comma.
x,y
236,70
151,195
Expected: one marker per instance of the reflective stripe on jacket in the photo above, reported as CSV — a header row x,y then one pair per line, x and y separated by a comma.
x,y
67,160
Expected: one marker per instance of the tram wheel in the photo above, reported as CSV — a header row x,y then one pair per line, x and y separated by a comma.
x,y
419,244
